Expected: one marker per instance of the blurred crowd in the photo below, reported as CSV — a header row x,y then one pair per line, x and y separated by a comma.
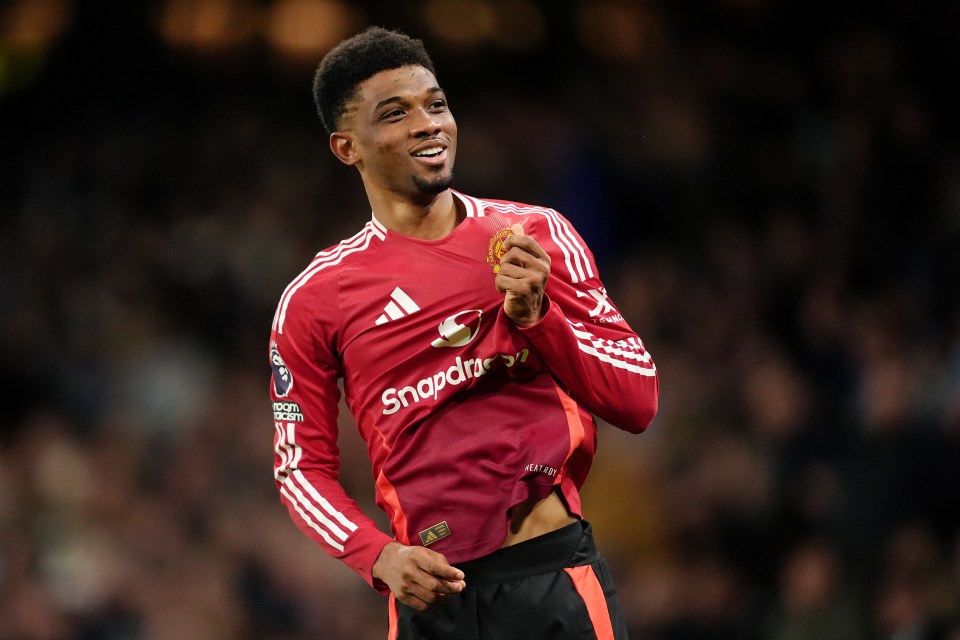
x,y
776,212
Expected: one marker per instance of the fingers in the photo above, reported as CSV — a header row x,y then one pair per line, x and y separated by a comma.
x,y
435,573
417,576
422,597
523,269
524,258
519,244
414,602
421,590
436,565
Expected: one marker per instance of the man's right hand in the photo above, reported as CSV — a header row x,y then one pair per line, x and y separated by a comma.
x,y
417,576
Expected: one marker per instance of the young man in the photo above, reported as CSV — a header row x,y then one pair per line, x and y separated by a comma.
x,y
474,341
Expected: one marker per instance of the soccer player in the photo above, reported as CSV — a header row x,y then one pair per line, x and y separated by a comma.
x,y
474,342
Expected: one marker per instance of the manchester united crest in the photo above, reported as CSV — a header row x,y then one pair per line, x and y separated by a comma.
x,y
496,249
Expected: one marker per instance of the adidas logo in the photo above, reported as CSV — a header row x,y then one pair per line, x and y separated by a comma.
x,y
434,533
400,305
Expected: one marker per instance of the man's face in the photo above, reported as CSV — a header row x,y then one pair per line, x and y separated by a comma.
x,y
404,136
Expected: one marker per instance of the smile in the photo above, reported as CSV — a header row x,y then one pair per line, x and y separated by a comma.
x,y
429,152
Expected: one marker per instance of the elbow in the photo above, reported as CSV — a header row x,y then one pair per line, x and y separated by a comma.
x,y
639,419
639,415
646,417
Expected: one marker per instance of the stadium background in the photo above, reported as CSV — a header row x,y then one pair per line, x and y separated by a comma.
x,y
773,193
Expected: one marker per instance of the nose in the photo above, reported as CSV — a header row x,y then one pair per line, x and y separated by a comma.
x,y
425,124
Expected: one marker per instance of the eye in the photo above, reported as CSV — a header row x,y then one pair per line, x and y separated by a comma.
x,y
438,105
392,114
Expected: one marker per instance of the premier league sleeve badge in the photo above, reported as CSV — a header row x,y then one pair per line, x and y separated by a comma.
x,y
282,377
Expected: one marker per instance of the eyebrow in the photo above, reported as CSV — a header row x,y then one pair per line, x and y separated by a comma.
x,y
382,103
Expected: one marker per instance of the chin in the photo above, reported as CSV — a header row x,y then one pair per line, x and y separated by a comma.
x,y
435,186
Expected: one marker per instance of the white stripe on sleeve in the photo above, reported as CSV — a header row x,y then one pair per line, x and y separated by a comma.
x,y
302,500
313,525
329,508
315,510
617,354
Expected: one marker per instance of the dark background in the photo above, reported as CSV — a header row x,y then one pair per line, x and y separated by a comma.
x,y
772,191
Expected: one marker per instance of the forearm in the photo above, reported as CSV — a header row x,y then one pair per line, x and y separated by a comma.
x,y
615,379
323,511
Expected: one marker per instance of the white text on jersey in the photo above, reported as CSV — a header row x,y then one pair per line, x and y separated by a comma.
x,y
458,373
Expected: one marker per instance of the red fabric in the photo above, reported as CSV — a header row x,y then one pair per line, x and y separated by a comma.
x,y
463,413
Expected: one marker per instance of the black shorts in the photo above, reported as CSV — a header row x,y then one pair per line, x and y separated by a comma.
x,y
553,587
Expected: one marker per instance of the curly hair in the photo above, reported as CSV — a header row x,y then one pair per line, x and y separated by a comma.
x,y
354,60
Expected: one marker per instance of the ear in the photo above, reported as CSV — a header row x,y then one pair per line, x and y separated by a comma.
x,y
343,147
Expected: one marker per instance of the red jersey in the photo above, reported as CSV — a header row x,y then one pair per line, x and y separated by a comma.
x,y
464,414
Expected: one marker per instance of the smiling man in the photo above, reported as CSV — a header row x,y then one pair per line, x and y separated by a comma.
x,y
474,352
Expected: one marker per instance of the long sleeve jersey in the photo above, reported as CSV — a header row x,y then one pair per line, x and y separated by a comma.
x,y
464,414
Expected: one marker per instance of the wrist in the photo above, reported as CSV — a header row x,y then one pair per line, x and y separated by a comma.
x,y
383,559
533,319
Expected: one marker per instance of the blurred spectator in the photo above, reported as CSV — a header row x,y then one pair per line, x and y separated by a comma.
x,y
815,598
916,597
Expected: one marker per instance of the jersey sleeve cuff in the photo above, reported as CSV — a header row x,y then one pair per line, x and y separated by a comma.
x,y
550,321
366,545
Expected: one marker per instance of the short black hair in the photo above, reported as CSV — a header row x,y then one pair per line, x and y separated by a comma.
x,y
354,60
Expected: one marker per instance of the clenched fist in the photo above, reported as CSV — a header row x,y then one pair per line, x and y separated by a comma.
x,y
522,278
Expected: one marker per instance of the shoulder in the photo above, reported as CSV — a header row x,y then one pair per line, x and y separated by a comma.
x,y
318,279
509,208
345,253
531,216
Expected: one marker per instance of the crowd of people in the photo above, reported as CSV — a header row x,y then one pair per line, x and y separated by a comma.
x,y
778,218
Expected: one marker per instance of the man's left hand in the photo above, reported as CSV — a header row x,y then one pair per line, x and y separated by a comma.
x,y
522,277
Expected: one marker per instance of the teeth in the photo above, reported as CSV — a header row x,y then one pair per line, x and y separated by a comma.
x,y
432,151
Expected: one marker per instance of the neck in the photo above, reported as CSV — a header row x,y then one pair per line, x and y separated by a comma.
x,y
431,219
